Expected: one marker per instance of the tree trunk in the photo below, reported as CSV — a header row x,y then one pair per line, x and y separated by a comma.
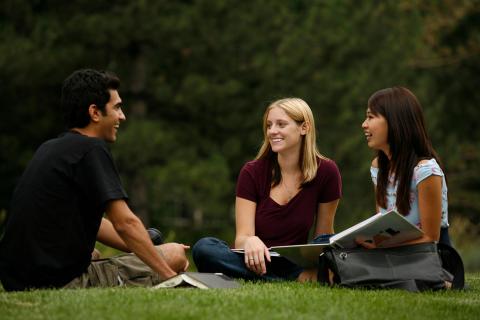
x,y
138,111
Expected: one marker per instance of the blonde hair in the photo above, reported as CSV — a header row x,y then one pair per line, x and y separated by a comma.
x,y
300,112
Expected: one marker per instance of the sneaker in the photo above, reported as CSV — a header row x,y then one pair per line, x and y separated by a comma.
x,y
156,236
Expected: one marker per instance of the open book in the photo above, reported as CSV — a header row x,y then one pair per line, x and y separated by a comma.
x,y
383,230
198,280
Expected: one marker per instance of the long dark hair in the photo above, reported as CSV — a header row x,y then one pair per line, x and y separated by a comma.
x,y
408,140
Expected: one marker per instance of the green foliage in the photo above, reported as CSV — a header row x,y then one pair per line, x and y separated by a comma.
x,y
453,61
197,76
282,300
182,177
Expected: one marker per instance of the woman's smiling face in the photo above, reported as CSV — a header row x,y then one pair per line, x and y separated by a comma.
x,y
375,128
283,132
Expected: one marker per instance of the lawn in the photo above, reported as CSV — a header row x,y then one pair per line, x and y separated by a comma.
x,y
251,301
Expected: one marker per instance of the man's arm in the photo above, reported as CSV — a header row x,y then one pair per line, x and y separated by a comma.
x,y
108,236
132,231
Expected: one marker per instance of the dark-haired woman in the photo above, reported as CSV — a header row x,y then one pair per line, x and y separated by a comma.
x,y
406,172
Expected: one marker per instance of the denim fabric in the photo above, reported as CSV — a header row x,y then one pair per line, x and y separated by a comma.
x,y
214,255
322,238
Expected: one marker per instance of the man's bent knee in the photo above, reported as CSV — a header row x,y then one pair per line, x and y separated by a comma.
x,y
174,255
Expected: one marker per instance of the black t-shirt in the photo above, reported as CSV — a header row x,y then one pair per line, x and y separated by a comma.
x,y
56,211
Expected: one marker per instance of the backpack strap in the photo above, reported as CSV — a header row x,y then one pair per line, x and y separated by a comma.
x,y
452,262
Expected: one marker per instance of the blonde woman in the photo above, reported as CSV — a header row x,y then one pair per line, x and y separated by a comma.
x,y
280,195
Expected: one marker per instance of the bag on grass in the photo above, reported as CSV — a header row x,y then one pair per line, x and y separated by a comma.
x,y
452,262
416,267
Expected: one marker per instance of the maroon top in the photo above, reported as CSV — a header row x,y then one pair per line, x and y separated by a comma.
x,y
287,224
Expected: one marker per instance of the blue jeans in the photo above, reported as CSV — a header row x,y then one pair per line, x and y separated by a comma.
x,y
214,255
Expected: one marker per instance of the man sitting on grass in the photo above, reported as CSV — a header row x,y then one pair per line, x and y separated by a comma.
x,y
58,205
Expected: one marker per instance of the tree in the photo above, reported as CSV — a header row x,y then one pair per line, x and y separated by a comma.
x,y
198,75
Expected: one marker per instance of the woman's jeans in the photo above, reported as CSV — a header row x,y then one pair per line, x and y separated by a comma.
x,y
214,255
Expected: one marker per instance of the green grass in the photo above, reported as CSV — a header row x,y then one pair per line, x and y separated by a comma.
x,y
252,301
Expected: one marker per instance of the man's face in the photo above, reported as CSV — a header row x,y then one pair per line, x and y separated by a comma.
x,y
110,121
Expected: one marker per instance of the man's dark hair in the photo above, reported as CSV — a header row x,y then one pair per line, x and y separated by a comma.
x,y
82,89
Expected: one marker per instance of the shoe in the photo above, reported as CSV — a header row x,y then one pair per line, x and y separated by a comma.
x,y
156,236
